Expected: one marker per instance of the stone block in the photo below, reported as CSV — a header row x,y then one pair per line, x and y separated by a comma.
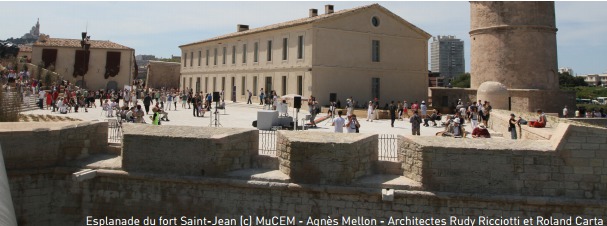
x,y
187,150
326,158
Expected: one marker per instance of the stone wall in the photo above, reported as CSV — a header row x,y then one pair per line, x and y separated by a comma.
x,y
50,144
118,194
326,158
163,74
187,150
161,176
571,165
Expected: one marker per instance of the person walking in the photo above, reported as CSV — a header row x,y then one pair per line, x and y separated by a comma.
x,y
261,96
169,101
370,109
416,122
392,108
339,123
147,101
250,95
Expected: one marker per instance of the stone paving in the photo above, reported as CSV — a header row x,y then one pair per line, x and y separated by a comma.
x,y
242,115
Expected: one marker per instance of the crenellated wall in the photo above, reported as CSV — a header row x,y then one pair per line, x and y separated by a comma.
x,y
37,145
571,164
187,150
326,158
318,175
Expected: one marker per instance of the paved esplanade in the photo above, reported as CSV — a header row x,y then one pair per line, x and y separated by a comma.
x,y
242,115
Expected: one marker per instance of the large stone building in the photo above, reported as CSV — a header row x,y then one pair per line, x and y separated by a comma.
x,y
447,56
513,59
111,65
363,52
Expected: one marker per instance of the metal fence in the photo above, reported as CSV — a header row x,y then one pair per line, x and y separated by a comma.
x,y
387,147
114,132
267,142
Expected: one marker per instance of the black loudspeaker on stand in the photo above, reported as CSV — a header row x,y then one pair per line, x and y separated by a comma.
x,y
297,106
216,97
297,102
332,97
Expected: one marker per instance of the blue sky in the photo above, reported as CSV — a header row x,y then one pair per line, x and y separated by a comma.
x,y
158,28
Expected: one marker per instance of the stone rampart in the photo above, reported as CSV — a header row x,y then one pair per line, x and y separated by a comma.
x,y
186,150
572,164
36,145
46,198
326,158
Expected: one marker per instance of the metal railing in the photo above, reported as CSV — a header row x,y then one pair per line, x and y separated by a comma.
x,y
267,142
387,147
114,132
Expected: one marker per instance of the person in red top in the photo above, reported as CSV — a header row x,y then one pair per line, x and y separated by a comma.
x,y
481,131
541,122
49,100
415,106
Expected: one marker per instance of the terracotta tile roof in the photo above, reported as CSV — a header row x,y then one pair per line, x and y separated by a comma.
x,y
95,44
291,23
25,48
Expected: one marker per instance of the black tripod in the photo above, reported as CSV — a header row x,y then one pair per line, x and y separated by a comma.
x,y
216,122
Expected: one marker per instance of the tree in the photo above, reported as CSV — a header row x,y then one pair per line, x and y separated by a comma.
x,y
461,81
567,80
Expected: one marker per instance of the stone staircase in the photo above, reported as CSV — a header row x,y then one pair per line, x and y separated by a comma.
x,y
13,95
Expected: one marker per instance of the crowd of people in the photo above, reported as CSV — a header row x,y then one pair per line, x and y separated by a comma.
x,y
64,97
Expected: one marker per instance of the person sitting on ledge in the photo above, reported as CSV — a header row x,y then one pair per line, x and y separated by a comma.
x,y
481,131
541,123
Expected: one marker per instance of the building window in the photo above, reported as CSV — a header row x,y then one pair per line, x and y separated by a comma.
x,y
223,83
214,84
197,85
191,59
255,52
185,57
233,54
206,84
375,21
243,83
284,85
190,82
207,58
112,64
284,48
199,57
255,85
244,53
375,51
375,88
215,56
300,85
224,55
269,50
300,45
80,66
183,84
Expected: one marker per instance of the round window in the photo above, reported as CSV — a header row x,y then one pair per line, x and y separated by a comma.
x,y
375,21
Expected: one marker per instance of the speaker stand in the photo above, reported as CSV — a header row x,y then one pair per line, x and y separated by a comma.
x,y
215,122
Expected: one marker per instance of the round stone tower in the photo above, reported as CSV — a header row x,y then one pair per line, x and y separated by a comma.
x,y
513,43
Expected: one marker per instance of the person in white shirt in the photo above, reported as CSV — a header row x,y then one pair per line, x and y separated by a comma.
x,y
339,123
565,112
351,124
